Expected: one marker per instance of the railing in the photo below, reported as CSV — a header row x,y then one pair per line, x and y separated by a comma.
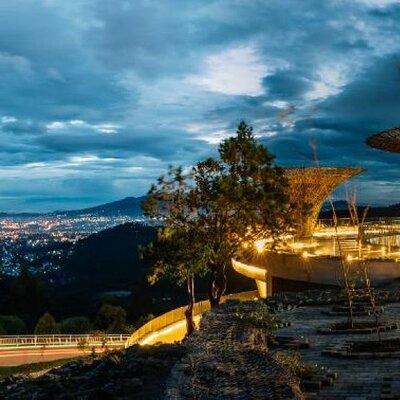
x,y
51,341
178,314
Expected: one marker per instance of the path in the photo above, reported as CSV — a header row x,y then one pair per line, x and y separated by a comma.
x,y
357,379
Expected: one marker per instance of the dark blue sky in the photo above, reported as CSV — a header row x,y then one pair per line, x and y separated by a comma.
x,y
99,97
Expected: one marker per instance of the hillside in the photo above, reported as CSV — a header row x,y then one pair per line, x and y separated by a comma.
x,y
129,206
105,266
109,261
110,258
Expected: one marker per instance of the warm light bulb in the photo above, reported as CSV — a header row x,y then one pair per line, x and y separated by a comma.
x,y
259,245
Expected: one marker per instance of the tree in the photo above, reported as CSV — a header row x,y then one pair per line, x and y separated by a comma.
x,y
242,197
75,325
12,324
178,252
111,319
26,293
221,205
46,325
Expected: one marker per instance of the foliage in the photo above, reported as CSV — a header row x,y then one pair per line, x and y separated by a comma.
x,y
111,319
82,345
46,325
245,194
258,316
75,325
242,197
178,252
12,325
209,214
26,293
292,362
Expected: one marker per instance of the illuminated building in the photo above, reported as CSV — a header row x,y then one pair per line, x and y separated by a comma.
x,y
314,253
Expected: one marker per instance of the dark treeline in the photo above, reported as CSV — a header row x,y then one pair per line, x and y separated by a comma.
x,y
391,211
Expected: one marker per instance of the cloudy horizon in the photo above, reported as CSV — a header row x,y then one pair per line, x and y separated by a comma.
x,y
98,98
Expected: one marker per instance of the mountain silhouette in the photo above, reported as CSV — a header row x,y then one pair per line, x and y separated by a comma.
x,y
129,206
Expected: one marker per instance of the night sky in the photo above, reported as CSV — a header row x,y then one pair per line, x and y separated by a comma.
x,y
98,97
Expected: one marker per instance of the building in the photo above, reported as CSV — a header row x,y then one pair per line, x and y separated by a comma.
x,y
315,253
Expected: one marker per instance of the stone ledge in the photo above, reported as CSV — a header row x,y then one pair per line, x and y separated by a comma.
x,y
358,331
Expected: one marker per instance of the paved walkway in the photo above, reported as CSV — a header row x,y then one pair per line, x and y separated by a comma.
x,y
358,379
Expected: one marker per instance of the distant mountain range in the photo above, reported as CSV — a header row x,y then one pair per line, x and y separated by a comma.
x,y
129,206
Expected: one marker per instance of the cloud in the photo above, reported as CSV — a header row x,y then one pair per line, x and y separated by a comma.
x,y
19,64
104,127
330,79
221,72
378,3
101,96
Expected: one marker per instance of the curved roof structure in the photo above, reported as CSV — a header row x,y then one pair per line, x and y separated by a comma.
x,y
388,140
309,188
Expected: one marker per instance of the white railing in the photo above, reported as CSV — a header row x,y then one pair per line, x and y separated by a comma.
x,y
51,341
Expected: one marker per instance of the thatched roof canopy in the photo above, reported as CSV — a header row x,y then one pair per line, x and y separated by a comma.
x,y
388,140
309,188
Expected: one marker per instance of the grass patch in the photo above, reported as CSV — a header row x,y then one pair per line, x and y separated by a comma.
x,y
34,367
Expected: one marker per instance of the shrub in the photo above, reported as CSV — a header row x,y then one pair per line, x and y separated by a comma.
x,y
46,325
111,319
258,316
75,325
12,325
292,362
82,345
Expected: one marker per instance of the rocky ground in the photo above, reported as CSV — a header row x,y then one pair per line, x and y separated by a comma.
x,y
137,373
229,359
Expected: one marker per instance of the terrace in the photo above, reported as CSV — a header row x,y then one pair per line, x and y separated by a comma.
x,y
315,251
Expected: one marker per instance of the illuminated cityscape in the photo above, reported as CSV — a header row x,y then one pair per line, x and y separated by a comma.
x,y
43,241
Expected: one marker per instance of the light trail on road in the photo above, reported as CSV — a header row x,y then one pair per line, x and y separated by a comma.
x,y
10,358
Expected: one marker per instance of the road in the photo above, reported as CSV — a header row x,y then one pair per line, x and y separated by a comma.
x,y
10,358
